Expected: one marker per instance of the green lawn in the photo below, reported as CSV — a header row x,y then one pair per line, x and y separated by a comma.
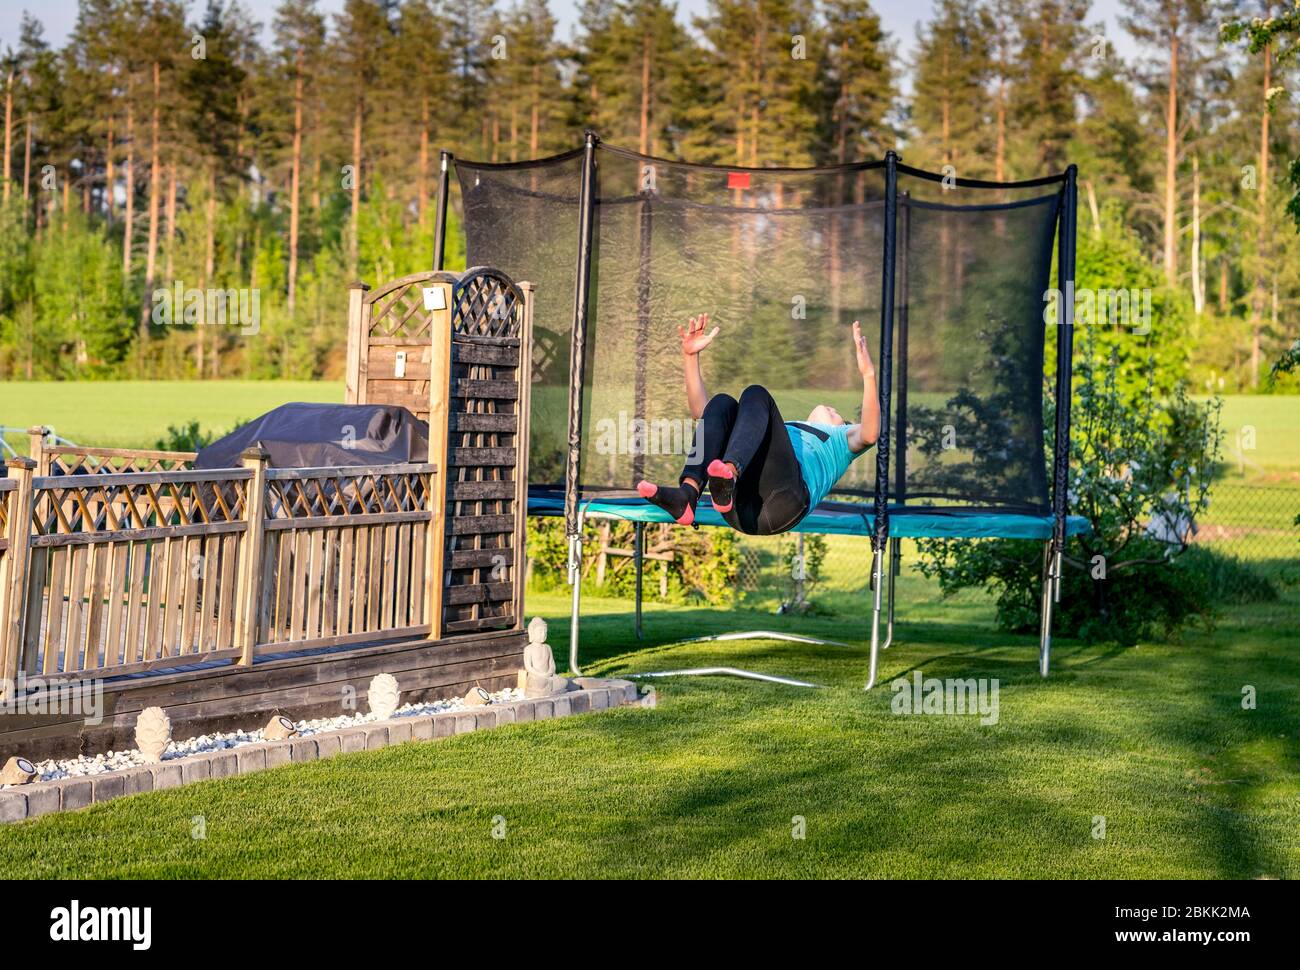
x,y
136,414
1154,739
1261,436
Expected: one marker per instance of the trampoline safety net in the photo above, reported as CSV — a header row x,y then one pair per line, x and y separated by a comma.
x,y
783,261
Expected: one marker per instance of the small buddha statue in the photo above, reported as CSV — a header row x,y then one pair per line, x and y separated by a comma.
x,y
540,678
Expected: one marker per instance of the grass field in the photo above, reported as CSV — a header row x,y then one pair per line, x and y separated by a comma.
x,y
1153,739
136,414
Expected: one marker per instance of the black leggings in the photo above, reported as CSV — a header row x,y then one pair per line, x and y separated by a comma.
x,y
770,493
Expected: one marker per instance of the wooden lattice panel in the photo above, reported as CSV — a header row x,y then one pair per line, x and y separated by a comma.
x,y
65,460
393,363
486,477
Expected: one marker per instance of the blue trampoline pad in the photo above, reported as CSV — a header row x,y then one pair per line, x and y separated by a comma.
x,y
843,518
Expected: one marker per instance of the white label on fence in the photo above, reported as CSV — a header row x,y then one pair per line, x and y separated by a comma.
x,y
435,298
399,369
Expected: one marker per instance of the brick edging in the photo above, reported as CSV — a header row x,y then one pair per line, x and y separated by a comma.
x,y
67,794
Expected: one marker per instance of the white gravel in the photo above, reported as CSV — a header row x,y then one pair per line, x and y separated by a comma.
x,y
84,766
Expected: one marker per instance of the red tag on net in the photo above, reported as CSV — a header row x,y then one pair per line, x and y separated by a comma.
x,y
737,180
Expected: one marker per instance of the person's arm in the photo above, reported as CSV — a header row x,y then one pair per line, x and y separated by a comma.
x,y
694,339
863,436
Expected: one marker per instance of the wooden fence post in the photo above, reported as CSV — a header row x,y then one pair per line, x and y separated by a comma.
x,y
248,595
36,435
525,408
358,344
440,322
14,568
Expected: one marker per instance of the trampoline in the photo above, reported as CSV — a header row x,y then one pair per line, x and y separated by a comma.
x,y
955,276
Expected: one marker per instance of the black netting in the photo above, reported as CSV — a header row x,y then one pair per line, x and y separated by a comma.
x,y
783,261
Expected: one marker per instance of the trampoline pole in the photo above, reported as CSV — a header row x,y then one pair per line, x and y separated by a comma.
x,y
575,580
577,366
440,213
638,555
895,559
877,560
884,371
1045,617
1065,255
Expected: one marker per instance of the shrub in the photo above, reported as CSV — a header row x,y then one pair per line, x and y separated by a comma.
x,y
1141,474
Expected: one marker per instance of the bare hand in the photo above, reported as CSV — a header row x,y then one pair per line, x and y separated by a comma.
x,y
694,338
865,367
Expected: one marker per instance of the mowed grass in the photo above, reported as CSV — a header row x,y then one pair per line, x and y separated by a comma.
x,y
1153,740
136,414
1261,436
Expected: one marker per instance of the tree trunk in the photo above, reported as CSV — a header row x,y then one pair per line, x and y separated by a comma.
x,y
1171,168
353,241
27,168
999,157
1198,286
644,142
534,138
9,124
209,265
170,245
1093,210
295,178
1262,256
422,181
128,224
109,174
155,191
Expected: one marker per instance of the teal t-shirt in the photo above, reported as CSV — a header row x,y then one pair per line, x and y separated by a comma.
x,y
823,462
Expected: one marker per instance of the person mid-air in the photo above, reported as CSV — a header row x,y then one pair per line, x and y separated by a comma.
x,y
764,474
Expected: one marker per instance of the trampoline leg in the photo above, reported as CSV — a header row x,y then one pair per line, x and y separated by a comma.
x,y
877,564
895,565
575,579
1045,619
638,555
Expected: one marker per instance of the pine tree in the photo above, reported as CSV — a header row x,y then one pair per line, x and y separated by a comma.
x,y
300,38
1177,30
949,91
861,79
765,59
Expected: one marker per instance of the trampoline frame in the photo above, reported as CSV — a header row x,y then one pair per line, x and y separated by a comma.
x,y
882,577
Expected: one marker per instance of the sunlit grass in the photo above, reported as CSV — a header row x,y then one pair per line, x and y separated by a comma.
x,y
1154,739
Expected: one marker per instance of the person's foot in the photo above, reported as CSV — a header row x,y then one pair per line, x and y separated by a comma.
x,y
722,485
679,501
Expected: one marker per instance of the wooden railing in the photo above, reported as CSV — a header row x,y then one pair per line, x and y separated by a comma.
x,y
104,574
76,460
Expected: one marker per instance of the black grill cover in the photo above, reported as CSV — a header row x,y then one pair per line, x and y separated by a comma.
x,y
325,436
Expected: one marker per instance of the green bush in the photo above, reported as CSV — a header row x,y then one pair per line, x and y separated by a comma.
x,y
188,437
1123,607
1141,470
